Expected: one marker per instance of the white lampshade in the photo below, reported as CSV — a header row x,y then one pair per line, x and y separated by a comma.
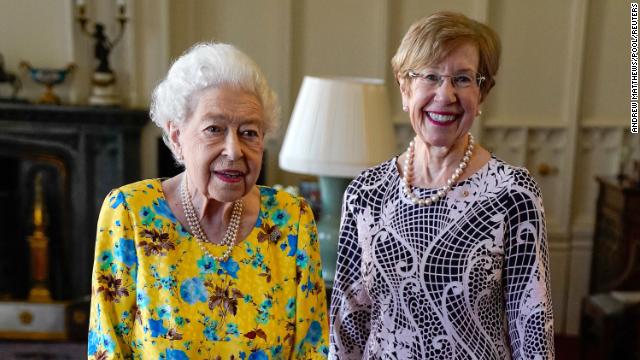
x,y
339,127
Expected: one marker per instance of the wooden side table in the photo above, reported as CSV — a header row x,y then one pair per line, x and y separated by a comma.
x,y
610,329
615,260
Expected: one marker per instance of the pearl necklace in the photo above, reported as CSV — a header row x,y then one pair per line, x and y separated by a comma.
x,y
408,175
232,231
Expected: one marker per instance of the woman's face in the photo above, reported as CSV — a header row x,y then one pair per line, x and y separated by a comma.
x,y
442,114
221,142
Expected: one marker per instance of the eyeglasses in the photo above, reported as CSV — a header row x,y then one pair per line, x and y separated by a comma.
x,y
460,81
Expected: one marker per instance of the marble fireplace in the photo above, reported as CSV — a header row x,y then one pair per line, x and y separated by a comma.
x,y
80,153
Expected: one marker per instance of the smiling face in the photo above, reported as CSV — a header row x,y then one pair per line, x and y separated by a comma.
x,y
442,115
221,142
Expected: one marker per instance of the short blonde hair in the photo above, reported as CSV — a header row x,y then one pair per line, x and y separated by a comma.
x,y
431,39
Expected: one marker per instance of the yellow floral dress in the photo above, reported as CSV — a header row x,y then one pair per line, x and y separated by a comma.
x,y
157,295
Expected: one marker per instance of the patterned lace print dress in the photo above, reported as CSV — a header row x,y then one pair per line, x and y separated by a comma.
x,y
156,295
465,278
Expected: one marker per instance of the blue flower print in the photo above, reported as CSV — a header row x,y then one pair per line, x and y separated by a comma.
x,y
280,217
142,299
265,191
307,287
126,252
182,231
173,354
108,343
291,307
266,305
163,311
92,343
156,327
258,355
121,329
179,321
276,351
257,260
207,265
263,311
230,267
117,200
313,336
247,298
193,291
302,259
168,282
232,329
248,249
271,202
210,331
162,209
147,216
293,244
324,349
105,259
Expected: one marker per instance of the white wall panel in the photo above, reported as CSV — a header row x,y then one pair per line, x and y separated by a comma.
x,y
547,148
599,154
606,63
534,63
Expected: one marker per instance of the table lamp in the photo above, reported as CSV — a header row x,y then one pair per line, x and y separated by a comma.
x,y
339,127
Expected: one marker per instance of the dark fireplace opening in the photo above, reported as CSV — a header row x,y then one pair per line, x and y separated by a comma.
x,y
10,241
17,202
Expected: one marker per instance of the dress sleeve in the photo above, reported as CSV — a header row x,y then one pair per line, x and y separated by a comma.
x,y
113,292
312,325
350,313
526,284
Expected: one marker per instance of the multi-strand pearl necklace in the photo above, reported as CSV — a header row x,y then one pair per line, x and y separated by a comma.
x,y
408,175
192,220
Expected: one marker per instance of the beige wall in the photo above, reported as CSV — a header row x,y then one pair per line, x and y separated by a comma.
x,y
37,32
561,97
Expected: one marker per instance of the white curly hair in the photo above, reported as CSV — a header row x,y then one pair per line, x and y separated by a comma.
x,y
203,66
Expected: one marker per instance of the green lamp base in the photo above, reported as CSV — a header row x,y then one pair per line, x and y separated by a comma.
x,y
331,192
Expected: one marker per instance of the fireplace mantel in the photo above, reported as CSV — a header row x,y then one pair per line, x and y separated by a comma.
x,y
91,150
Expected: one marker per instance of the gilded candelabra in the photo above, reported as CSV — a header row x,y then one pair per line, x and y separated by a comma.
x,y
103,90
39,248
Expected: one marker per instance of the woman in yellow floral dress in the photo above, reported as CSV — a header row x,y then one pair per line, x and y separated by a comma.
x,y
207,265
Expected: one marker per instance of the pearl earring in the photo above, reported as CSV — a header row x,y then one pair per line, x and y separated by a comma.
x,y
479,112
405,108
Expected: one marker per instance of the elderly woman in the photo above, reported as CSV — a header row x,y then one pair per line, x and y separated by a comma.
x,y
442,251
207,264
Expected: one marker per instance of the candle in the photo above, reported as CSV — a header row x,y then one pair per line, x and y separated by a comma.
x,y
121,7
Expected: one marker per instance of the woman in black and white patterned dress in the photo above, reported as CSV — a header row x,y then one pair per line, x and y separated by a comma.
x,y
442,251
